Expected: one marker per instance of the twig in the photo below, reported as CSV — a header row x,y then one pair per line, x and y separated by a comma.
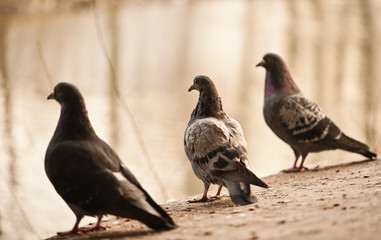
x,y
123,103
43,64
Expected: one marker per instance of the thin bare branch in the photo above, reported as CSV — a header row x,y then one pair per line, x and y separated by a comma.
x,y
123,103
44,66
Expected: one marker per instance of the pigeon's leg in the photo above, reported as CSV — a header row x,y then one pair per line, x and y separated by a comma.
x,y
294,167
204,197
301,164
74,230
97,226
218,194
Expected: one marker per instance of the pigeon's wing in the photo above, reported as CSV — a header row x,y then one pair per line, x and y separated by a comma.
x,y
90,177
205,136
208,143
134,194
81,175
128,174
306,121
237,140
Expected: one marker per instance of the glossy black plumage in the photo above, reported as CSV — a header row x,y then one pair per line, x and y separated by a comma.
x,y
89,175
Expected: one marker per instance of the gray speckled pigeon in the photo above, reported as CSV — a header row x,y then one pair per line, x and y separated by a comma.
x,y
88,174
298,121
216,148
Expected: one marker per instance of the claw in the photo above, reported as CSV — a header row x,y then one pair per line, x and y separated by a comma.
x,y
89,229
202,199
67,233
76,229
294,169
290,170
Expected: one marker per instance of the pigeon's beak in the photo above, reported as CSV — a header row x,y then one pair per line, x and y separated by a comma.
x,y
51,96
261,63
191,88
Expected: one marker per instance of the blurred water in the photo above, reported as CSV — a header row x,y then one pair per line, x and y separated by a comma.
x,y
157,48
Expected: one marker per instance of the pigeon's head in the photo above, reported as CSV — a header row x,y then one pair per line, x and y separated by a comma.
x,y
278,78
271,62
201,83
66,93
209,102
74,121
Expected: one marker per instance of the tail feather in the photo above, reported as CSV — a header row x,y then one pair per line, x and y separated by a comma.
x,y
352,145
241,174
240,193
246,189
258,182
162,212
165,222
161,221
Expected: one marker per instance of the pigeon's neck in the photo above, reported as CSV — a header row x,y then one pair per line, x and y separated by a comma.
x,y
209,105
278,82
74,122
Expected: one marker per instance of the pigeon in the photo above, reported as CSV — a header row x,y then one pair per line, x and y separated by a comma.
x,y
296,120
88,174
216,148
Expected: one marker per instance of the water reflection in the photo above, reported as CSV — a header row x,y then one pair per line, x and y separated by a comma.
x,y
156,48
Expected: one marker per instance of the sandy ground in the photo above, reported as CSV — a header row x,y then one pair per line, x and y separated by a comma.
x,y
336,202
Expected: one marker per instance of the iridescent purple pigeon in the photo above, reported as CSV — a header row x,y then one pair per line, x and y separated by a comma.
x,y
299,122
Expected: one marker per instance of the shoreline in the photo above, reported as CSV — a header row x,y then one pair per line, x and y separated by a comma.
x,y
334,202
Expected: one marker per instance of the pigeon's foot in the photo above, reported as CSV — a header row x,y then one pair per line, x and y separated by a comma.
x,y
294,169
90,229
215,197
74,231
290,170
218,193
82,229
204,199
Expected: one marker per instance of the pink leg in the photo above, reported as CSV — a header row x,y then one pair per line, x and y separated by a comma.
x,y
218,194
301,164
73,231
97,227
76,229
204,197
294,168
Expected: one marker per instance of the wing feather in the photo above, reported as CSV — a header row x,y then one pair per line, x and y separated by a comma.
x,y
218,149
306,121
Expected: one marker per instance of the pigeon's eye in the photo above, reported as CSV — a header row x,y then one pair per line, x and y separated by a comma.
x,y
59,90
270,60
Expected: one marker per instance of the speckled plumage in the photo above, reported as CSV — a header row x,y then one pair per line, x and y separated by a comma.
x,y
89,175
298,121
216,148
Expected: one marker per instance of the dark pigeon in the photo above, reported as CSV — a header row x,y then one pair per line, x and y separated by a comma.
x,y
216,148
89,175
298,121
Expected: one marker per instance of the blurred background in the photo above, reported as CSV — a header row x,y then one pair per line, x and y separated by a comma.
x,y
134,61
